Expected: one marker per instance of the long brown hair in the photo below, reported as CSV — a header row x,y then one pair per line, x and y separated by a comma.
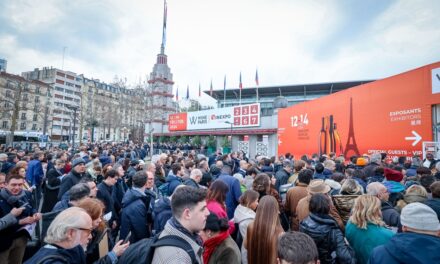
x,y
217,192
94,208
262,234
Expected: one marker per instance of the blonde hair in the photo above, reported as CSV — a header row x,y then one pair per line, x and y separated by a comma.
x,y
366,209
418,190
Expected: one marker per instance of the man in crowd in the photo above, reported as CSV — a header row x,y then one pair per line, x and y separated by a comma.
x,y
189,217
295,247
105,195
389,215
75,195
194,178
67,238
136,217
295,194
419,242
15,237
174,179
282,176
233,196
74,176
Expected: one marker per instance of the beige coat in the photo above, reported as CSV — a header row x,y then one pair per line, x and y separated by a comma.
x,y
293,196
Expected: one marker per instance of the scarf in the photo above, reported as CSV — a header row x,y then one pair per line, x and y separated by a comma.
x,y
211,245
177,225
11,199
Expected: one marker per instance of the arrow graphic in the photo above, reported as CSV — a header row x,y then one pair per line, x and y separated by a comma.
x,y
416,138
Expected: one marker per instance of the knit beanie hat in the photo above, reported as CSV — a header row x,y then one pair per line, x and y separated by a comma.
x,y
393,175
419,216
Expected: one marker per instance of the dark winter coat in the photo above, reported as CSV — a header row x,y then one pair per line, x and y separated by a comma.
x,y
173,181
410,248
68,181
105,195
162,213
118,193
233,195
434,203
192,183
51,190
74,255
390,215
369,169
328,237
282,176
135,217
7,202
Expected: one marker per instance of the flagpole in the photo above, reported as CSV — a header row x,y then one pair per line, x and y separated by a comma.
x,y
200,95
224,92
257,82
240,86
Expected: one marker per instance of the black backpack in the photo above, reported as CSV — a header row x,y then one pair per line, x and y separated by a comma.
x,y
143,250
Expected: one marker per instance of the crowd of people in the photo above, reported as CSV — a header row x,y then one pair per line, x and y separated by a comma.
x,y
109,203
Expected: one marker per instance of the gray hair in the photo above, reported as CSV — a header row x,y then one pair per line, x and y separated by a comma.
x,y
79,191
416,162
376,158
375,188
195,173
70,218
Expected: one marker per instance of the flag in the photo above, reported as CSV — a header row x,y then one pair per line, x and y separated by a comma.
x,y
200,91
210,91
240,85
224,91
256,78
177,94
187,92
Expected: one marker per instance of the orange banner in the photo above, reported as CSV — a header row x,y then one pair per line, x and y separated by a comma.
x,y
177,122
392,115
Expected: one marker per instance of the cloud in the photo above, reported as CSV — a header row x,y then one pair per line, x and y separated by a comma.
x,y
291,42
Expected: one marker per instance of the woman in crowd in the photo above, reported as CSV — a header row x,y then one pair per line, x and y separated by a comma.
x,y
263,233
215,201
365,230
218,245
415,193
95,209
244,215
324,230
344,202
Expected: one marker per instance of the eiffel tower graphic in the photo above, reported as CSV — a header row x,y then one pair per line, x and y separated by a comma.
x,y
351,148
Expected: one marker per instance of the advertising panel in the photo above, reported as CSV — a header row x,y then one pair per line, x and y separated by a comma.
x,y
238,116
392,115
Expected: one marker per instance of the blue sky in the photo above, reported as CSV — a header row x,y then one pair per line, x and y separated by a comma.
x,y
290,41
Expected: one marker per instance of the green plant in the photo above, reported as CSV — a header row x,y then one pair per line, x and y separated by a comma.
x,y
173,139
211,142
163,139
184,139
226,143
196,140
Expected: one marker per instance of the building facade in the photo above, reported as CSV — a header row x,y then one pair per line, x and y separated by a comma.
x,y
3,65
25,105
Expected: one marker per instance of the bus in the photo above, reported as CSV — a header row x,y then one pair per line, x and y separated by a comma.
x,y
25,139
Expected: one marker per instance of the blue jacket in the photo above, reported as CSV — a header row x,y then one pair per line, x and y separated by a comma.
x,y
411,248
233,195
135,215
162,213
320,176
72,255
173,181
34,173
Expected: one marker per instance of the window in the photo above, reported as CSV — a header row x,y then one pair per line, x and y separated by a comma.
x,y
37,99
61,74
37,89
59,89
23,116
34,127
56,127
35,118
5,124
8,93
25,97
23,126
69,84
59,81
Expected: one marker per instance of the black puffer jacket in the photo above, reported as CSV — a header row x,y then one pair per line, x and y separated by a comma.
x,y
329,239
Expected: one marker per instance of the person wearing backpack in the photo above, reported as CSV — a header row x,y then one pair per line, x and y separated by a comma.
x,y
173,179
189,218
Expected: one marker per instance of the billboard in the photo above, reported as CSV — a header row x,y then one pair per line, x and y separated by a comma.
x,y
239,116
392,115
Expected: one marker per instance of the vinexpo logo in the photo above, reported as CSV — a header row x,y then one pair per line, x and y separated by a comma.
x,y
215,117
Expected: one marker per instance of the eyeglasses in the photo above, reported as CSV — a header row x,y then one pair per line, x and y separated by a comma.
x,y
88,230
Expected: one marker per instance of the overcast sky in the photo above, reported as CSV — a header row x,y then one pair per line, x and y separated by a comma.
x,y
289,41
